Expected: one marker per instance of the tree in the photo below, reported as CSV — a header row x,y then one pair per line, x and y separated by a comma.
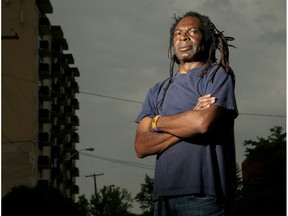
x,y
34,201
145,196
264,176
84,205
111,201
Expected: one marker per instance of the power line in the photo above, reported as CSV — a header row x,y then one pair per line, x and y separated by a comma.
x,y
255,114
140,102
115,98
128,163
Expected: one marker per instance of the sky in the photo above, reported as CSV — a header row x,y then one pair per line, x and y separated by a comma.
x,y
121,50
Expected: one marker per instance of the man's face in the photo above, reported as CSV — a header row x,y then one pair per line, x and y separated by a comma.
x,y
187,39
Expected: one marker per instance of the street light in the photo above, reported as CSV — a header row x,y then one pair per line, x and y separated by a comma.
x,y
77,152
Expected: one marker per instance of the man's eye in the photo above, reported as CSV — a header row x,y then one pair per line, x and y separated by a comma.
x,y
193,31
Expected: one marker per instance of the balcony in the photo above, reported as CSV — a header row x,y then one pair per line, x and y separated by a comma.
x,y
69,146
44,93
56,32
75,87
44,139
75,189
44,116
56,70
69,74
75,71
69,183
69,128
56,130
62,80
75,103
62,119
62,100
44,6
75,120
69,92
58,45
64,44
44,50
55,172
44,71
68,59
44,26
74,172
69,110
43,162
61,140
56,49
75,137
56,108
69,164
56,90
55,151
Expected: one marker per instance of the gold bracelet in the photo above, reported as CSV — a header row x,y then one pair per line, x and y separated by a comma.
x,y
154,123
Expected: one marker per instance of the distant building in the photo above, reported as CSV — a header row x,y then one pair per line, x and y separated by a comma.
x,y
39,124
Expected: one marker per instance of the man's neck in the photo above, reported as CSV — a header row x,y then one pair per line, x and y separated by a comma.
x,y
184,67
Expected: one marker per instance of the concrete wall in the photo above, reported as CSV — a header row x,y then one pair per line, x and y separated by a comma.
x,y
19,93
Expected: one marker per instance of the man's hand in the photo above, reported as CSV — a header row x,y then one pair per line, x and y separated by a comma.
x,y
148,142
204,102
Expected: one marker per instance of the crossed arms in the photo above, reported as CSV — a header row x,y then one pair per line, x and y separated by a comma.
x,y
173,128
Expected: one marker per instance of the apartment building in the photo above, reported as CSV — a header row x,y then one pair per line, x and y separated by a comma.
x,y
39,100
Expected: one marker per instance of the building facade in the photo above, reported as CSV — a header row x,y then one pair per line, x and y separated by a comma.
x,y
39,103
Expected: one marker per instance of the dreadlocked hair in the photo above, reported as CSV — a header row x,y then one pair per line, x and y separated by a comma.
x,y
213,40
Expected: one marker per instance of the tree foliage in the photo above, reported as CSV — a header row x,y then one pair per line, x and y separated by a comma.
x,y
144,197
111,201
264,187
84,205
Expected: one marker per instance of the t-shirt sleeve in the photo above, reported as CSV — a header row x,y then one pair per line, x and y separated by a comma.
x,y
223,88
148,107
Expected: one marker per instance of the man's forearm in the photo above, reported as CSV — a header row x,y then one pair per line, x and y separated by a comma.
x,y
148,142
189,123
152,143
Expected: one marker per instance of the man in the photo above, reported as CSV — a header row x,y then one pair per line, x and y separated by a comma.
x,y
188,122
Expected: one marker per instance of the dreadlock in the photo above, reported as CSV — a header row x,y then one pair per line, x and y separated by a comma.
x,y
213,40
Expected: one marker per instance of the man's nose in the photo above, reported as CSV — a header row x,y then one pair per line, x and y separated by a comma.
x,y
185,36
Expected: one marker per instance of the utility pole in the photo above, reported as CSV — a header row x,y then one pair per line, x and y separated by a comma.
x,y
95,185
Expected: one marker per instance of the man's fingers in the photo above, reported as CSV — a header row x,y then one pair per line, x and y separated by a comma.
x,y
205,101
205,97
